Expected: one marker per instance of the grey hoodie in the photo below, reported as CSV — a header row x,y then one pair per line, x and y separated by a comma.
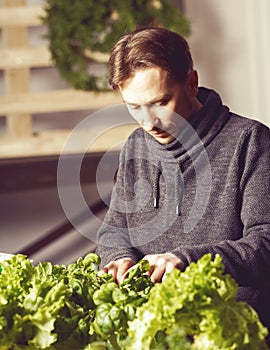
x,y
206,192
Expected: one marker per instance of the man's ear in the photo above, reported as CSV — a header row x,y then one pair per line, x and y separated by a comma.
x,y
192,83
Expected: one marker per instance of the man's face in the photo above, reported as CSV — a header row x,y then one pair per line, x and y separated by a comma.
x,y
157,103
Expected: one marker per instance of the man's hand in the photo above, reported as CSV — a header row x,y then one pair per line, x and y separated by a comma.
x,y
118,268
161,264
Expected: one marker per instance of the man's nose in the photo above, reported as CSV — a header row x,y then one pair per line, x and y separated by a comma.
x,y
149,117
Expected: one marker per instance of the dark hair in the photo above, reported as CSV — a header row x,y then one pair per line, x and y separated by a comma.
x,y
149,47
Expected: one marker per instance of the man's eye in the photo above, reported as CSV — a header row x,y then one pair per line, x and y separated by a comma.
x,y
134,107
162,103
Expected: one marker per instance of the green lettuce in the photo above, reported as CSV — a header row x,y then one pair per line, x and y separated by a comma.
x,y
196,309
57,307
47,306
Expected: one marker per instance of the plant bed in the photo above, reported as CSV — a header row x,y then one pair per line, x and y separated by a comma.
x,y
74,307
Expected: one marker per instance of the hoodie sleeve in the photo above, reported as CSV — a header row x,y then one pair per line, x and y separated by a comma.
x,y
248,258
113,241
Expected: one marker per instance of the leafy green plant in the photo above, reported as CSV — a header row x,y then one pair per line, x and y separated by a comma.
x,y
76,29
57,307
196,310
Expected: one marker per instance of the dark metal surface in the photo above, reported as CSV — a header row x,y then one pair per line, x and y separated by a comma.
x,y
61,230
41,172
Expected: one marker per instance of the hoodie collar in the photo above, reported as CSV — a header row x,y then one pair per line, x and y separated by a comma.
x,y
198,131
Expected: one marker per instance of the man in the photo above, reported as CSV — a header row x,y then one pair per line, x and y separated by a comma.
x,y
193,179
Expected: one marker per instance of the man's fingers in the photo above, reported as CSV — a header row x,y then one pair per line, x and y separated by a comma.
x,y
157,273
117,268
112,270
123,269
102,271
125,275
169,268
161,265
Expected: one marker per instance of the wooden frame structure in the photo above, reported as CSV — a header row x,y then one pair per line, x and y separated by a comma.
x,y
19,104
29,160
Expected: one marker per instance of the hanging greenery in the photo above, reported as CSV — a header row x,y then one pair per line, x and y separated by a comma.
x,y
77,30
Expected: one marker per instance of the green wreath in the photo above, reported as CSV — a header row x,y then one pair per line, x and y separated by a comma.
x,y
79,31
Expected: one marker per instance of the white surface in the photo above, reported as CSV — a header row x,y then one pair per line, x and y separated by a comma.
x,y
231,50
28,215
5,256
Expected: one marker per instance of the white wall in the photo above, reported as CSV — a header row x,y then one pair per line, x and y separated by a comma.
x,y
231,49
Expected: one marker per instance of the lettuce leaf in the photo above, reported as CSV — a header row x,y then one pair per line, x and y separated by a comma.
x,y
47,306
57,307
196,309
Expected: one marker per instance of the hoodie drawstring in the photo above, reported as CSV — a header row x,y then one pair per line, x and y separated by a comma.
x,y
178,190
156,185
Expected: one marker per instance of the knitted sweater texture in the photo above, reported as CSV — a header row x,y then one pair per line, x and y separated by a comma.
x,y
206,192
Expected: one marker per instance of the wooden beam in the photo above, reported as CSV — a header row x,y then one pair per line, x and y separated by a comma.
x,y
18,104
25,57
57,101
16,81
52,142
21,16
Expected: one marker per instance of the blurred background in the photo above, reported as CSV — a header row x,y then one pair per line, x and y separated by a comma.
x,y
38,109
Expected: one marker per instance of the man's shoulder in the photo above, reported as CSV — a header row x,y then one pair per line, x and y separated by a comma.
x,y
246,124
138,132
135,142
136,137
247,131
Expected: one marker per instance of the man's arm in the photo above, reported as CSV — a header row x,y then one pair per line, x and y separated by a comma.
x,y
113,236
246,259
